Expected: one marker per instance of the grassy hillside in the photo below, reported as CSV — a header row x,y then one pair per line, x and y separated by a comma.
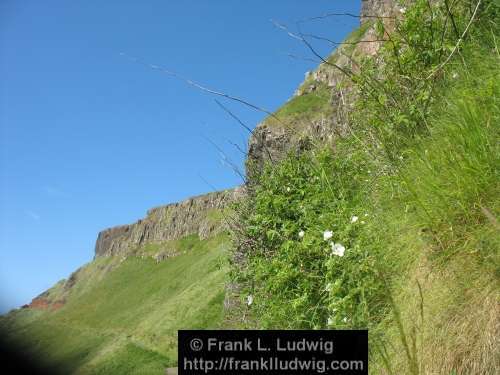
x,y
122,316
392,227
395,227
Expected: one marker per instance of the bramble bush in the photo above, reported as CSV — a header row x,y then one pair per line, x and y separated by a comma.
x,y
304,243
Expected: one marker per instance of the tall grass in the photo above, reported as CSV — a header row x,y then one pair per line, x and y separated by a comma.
x,y
416,211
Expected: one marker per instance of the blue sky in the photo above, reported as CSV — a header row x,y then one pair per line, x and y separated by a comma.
x,y
89,139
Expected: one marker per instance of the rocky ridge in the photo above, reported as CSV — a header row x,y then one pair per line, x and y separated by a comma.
x,y
201,215
272,139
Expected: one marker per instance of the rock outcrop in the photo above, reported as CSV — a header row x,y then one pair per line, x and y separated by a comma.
x,y
377,8
201,215
271,141
43,303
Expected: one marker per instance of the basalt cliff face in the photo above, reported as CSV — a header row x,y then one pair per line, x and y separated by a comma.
x,y
201,215
334,92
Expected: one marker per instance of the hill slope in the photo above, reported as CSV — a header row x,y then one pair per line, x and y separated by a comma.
x,y
372,202
120,313
122,316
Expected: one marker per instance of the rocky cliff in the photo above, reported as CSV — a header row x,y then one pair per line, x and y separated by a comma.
x,y
201,215
377,8
327,92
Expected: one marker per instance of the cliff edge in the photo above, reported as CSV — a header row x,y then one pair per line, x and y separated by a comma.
x,y
202,215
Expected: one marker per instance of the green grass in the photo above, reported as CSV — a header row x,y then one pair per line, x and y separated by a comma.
x,y
310,106
422,261
302,109
127,320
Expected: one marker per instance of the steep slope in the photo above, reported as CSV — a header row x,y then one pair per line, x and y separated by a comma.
x,y
388,217
120,313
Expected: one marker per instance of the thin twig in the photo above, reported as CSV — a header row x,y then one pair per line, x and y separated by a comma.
x,y
328,15
333,43
234,116
441,66
200,86
243,125
302,58
225,159
455,28
311,48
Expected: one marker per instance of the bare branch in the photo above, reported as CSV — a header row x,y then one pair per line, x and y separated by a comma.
x,y
302,58
225,159
328,15
333,43
200,86
234,116
237,146
243,125
208,183
441,66
311,48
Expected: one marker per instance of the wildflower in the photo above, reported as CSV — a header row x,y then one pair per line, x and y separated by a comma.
x,y
330,321
338,249
288,189
327,234
455,75
354,219
402,10
249,300
366,215
328,287
301,234
344,320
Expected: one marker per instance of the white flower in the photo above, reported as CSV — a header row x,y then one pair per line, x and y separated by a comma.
x,y
338,249
301,234
366,215
344,320
354,219
327,234
288,189
249,300
328,287
330,321
455,75
402,10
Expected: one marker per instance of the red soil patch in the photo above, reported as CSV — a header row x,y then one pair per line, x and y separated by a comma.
x,y
43,304
39,303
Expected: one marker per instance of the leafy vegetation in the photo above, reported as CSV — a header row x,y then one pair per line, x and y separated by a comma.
x,y
394,228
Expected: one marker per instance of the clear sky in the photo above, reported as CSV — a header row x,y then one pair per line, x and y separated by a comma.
x,y
89,139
